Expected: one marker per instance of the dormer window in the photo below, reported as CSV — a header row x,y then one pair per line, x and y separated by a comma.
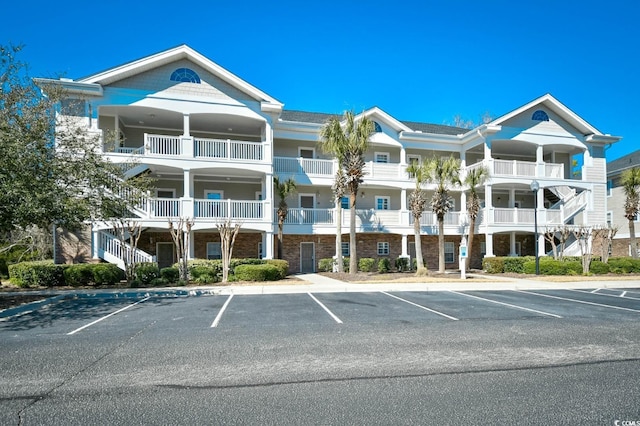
x,y
185,75
540,115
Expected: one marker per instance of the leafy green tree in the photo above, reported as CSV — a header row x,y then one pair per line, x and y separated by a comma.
x,y
631,186
283,188
417,203
348,141
52,168
445,173
475,178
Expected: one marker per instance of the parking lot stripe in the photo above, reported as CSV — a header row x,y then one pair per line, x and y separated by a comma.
x,y
420,306
217,320
507,304
106,316
595,291
579,301
336,319
607,295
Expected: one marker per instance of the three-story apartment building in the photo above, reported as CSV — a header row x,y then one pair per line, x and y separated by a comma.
x,y
215,142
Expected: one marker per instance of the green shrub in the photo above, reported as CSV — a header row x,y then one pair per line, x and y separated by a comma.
x,y
550,266
159,282
171,274
414,263
282,265
493,265
265,272
598,267
78,275
325,265
39,273
146,273
205,271
366,264
515,264
620,265
402,264
107,274
384,265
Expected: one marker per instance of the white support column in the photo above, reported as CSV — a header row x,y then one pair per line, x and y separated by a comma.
x,y
541,245
95,243
512,198
539,161
405,246
512,244
188,203
463,208
488,196
186,125
267,245
463,165
268,143
117,130
191,250
186,138
488,238
403,158
269,202
188,184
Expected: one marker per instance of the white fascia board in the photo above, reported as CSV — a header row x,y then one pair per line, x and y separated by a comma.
x,y
384,117
183,52
90,89
296,130
602,139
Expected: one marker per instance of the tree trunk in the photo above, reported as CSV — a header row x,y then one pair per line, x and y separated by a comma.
x,y
441,245
339,262
353,256
280,231
632,239
420,269
472,227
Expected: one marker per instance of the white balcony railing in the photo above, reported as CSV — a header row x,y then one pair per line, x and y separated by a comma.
x,y
229,209
163,145
165,207
308,166
518,168
228,149
302,216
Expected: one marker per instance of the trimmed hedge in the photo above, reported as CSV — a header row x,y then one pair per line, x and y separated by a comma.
x,y
624,265
264,272
493,265
384,265
39,273
171,274
553,267
598,267
366,264
210,271
282,265
516,264
402,264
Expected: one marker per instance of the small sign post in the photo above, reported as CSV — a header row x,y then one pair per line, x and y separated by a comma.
x,y
463,258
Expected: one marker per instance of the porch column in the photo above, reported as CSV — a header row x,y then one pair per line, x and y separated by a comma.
x,y
463,207
512,244
463,165
267,245
268,143
188,184
269,202
586,162
405,246
117,130
186,125
186,139
541,245
95,243
191,250
188,204
539,161
488,238
512,198
487,150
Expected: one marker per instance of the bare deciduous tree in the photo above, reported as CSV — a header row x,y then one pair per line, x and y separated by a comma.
x,y
228,233
180,233
583,236
128,232
550,235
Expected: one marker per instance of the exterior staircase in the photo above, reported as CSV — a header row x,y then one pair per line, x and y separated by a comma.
x,y
112,250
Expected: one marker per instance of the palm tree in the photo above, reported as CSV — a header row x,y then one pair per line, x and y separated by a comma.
x,y
631,186
474,178
283,189
444,173
417,201
348,141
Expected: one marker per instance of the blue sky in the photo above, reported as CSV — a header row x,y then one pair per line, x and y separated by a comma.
x,y
419,61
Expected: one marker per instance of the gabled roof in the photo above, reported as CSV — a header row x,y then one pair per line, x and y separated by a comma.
x,y
557,107
171,55
321,118
626,162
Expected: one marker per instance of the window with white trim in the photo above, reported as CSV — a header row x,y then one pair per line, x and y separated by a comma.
x,y
483,248
609,187
345,249
165,193
214,251
382,203
383,248
306,152
449,252
609,218
381,157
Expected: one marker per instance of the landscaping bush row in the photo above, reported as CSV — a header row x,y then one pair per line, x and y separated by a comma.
x,y
210,271
571,265
45,273
368,264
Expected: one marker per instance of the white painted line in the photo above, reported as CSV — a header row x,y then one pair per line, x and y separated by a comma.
x,y
336,319
508,304
420,306
219,316
580,301
608,295
594,291
106,316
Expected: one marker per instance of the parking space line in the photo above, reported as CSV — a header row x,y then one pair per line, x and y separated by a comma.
x,y
219,316
106,316
595,291
336,319
420,306
507,304
607,295
579,301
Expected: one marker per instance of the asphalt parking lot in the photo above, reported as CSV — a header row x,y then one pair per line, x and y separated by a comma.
x,y
376,357
93,312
